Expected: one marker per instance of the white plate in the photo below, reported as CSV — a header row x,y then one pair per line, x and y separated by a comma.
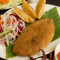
x,y
49,48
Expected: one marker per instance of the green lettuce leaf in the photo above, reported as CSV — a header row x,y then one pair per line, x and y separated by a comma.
x,y
27,24
53,13
9,53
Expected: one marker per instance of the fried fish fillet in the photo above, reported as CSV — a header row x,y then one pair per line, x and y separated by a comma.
x,y
34,37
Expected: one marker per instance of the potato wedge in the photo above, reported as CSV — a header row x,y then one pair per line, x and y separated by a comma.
x,y
40,8
28,9
23,15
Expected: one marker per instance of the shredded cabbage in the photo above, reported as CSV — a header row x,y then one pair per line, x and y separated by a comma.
x,y
10,4
11,22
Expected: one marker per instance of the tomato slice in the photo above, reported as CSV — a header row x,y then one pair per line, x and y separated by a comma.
x,y
19,24
4,1
1,30
14,15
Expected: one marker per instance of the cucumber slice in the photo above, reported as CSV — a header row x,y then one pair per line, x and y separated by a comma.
x,y
5,32
7,41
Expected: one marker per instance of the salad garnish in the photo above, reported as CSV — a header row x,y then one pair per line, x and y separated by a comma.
x,y
6,4
10,28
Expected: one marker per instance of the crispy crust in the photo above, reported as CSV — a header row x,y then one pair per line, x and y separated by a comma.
x,y
35,37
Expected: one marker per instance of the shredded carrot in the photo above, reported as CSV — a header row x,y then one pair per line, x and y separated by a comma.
x,y
9,21
0,22
0,38
17,33
15,21
4,1
10,32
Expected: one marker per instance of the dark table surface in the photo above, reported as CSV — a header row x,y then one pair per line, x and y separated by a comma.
x,y
53,2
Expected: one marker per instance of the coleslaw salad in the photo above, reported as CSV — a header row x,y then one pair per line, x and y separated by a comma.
x,y
10,27
10,4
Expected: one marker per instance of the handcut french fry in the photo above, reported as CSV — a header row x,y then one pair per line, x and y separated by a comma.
x,y
23,15
40,8
28,9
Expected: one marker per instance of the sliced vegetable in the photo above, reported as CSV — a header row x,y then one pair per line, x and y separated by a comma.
x,y
7,4
11,35
15,21
16,33
27,24
8,21
2,42
9,53
1,30
0,22
7,42
4,33
14,15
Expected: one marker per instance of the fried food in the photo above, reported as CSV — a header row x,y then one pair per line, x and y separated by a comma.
x,y
35,37
40,8
23,15
28,9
